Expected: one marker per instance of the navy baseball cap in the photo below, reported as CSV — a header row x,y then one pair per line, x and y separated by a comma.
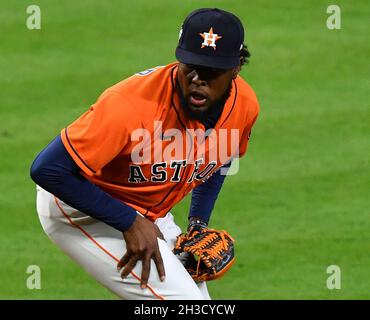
x,y
211,38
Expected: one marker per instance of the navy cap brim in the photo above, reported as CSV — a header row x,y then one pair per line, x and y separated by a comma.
x,y
218,62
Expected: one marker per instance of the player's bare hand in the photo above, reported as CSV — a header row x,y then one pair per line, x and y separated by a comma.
x,y
142,244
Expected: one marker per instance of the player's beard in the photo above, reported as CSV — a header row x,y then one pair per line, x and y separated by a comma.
x,y
214,109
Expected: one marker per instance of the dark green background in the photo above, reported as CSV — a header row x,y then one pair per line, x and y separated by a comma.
x,y
301,199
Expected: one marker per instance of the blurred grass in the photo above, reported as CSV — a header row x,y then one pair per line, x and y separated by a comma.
x,y
300,201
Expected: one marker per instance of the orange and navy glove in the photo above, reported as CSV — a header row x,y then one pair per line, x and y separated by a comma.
x,y
210,252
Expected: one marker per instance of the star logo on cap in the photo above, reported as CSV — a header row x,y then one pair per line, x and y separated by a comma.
x,y
209,39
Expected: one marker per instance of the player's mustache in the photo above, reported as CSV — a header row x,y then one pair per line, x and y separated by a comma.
x,y
213,108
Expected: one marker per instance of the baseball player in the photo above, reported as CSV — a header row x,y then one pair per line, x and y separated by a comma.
x,y
107,183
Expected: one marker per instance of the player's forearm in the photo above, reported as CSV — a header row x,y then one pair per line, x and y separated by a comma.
x,y
204,197
55,171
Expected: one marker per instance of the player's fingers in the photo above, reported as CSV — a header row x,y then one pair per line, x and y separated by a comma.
x,y
123,261
159,233
159,264
145,273
128,267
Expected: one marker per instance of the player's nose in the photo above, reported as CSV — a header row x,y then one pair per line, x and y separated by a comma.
x,y
196,79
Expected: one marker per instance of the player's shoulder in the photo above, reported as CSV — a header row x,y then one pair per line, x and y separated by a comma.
x,y
141,95
246,95
149,83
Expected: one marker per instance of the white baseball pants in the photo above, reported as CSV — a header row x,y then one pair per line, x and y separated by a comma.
x,y
98,247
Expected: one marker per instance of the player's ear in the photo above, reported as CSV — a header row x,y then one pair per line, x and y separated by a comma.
x,y
236,71
238,68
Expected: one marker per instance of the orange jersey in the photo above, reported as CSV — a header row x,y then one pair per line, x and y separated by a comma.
x,y
136,142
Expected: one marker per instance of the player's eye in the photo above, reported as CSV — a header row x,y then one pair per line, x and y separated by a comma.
x,y
190,67
205,73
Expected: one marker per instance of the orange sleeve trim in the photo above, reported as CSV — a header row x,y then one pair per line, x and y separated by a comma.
x,y
75,156
101,247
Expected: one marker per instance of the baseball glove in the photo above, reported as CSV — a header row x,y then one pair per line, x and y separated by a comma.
x,y
209,253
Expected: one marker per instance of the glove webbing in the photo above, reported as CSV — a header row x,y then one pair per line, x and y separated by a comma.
x,y
210,246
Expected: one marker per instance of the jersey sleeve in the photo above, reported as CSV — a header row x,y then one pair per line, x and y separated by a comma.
x,y
247,131
101,133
